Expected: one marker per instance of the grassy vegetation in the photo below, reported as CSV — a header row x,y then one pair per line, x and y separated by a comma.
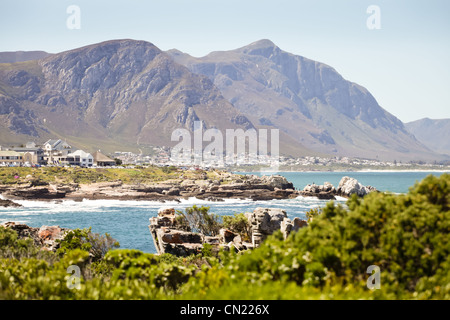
x,y
406,236
17,175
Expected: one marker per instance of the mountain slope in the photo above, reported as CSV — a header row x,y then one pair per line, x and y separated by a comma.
x,y
433,133
20,56
121,93
307,100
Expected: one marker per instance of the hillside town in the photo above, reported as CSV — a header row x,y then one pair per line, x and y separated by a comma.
x,y
57,152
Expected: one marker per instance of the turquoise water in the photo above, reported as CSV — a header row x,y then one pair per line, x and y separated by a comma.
x,y
127,221
397,182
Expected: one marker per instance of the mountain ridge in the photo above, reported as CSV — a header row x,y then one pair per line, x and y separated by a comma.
x,y
306,99
129,93
120,89
22,56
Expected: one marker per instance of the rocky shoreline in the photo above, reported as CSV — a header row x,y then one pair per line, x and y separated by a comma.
x,y
229,186
262,222
167,237
232,186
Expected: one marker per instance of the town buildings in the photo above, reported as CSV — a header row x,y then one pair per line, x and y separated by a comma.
x,y
80,158
51,152
100,160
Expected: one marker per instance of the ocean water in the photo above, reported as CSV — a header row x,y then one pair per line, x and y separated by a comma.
x,y
127,221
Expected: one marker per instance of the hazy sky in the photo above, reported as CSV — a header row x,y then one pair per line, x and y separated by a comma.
x,y
405,64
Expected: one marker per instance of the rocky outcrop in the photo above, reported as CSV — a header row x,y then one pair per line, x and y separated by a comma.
x,y
9,203
226,186
326,191
169,237
347,186
44,237
265,221
37,193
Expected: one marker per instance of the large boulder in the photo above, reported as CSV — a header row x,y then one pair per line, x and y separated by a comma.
x,y
348,186
277,181
314,188
267,220
323,192
264,222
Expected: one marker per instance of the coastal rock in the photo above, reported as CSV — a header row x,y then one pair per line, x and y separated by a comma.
x,y
176,236
212,240
348,186
24,231
264,222
27,192
327,187
226,235
44,237
168,238
324,192
9,203
183,249
49,235
298,223
277,181
225,186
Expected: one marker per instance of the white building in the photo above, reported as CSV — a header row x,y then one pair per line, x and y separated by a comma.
x,y
56,151
80,158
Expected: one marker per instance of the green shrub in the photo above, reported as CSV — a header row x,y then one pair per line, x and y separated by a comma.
x,y
238,223
199,220
97,245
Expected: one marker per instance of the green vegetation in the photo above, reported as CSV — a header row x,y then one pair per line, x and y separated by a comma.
x,y
238,223
198,219
406,236
45,175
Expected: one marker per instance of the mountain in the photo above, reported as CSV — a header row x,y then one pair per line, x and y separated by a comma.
x,y
307,100
130,95
20,56
433,133
115,94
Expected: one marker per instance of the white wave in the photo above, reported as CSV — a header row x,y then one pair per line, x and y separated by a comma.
x,y
194,200
20,213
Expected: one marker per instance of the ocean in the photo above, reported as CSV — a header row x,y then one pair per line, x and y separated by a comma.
x,y
127,221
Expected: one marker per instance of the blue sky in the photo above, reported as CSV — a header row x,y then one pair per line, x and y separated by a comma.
x,y
405,64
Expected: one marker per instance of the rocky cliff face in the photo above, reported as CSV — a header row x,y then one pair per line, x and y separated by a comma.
x,y
122,91
308,100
